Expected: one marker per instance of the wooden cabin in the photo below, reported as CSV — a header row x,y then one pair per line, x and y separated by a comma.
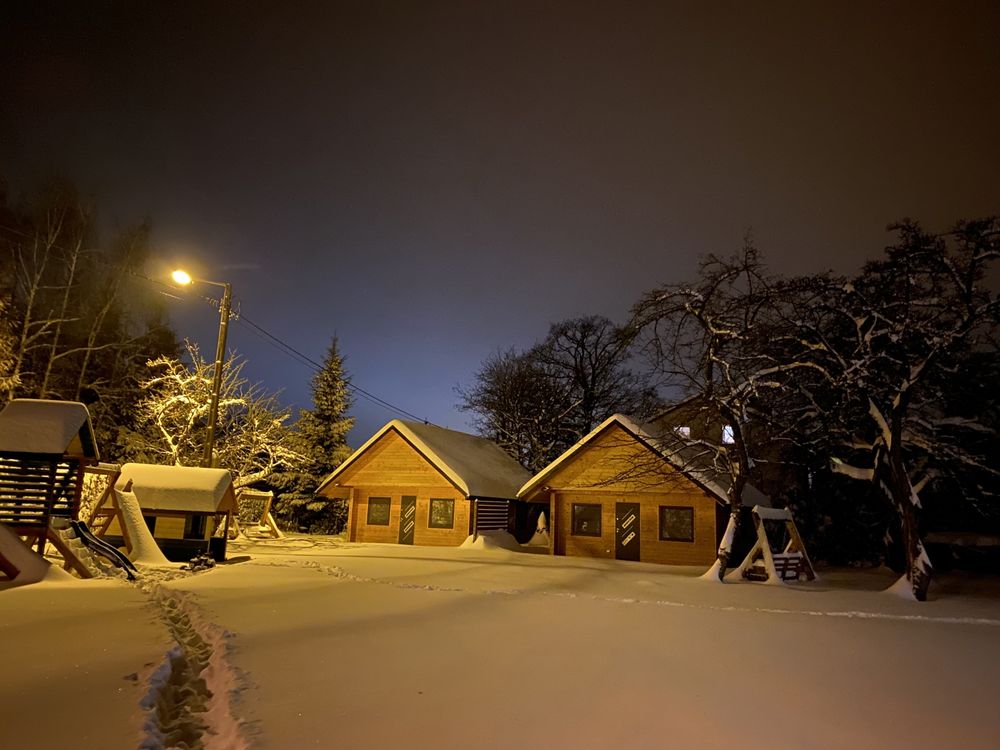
x,y
620,494
187,509
415,483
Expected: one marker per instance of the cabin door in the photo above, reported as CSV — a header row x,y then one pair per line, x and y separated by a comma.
x,y
407,519
627,531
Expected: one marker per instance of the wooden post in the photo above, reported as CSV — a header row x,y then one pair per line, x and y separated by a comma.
x,y
75,511
350,516
69,558
475,518
552,522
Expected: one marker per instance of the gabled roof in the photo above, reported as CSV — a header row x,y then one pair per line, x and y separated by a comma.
x,y
182,488
53,428
705,477
476,466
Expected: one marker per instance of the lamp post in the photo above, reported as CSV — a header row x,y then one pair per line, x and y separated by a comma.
x,y
184,279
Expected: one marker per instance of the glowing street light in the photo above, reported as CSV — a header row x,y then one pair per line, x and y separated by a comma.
x,y
183,278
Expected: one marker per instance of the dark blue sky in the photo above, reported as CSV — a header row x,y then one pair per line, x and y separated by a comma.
x,y
432,181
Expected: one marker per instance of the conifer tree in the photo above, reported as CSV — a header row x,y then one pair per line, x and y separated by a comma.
x,y
320,436
323,430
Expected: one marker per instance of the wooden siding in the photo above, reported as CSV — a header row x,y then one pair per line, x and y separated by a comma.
x,y
616,461
391,462
699,552
613,468
169,525
361,531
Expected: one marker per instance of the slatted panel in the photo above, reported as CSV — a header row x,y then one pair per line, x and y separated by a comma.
x,y
491,515
32,490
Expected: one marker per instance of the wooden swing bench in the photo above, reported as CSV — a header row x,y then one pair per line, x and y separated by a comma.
x,y
790,564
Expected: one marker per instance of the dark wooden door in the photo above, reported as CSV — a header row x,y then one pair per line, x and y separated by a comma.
x,y
407,519
627,531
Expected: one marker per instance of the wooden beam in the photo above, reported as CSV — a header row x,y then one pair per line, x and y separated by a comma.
x,y
351,536
72,561
552,522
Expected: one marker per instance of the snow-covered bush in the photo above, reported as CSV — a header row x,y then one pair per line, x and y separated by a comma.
x,y
310,515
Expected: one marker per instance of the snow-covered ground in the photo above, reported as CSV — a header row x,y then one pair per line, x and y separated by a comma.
x,y
315,643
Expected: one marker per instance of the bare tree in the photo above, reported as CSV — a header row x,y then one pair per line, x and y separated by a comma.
x,y
251,438
536,404
518,406
878,341
708,340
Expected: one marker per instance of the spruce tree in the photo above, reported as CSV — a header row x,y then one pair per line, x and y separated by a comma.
x,y
320,436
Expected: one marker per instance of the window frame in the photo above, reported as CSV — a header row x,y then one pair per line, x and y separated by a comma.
x,y
388,506
196,526
600,520
661,529
430,512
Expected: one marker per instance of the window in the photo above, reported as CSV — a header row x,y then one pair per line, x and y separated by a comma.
x,y
442,513
378,511
586,520
676,524
194,526
727,435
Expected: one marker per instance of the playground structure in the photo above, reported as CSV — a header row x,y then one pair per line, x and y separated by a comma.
x,y
790,563
45,447
253,518
188,510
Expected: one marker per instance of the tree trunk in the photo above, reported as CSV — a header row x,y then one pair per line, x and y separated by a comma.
x,y
726,545
897,484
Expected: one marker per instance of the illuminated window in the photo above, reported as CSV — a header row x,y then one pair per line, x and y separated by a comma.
x,y
676,524
586,520
442,513
727,435
378,511
684,432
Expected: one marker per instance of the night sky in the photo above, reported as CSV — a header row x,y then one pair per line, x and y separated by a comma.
x,y
431,181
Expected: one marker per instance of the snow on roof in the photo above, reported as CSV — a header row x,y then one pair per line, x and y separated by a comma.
x,y
477,466
63,428
181,488
706,477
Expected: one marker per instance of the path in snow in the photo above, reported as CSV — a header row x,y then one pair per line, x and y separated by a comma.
x,y
190,693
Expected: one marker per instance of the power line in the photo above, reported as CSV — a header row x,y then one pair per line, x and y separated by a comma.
x,y
258,331
310,362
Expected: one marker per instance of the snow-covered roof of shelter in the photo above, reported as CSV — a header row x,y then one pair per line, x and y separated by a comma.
x,y
476,466
43,426
181,488
704,476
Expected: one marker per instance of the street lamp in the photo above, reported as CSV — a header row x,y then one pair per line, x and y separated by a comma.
x,y
183,278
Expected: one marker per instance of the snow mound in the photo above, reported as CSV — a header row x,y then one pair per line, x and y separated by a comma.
x,y
145,550
31,567
491,540
539,539
902,588
541,535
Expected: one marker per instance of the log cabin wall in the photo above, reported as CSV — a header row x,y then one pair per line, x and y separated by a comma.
x,y
700,551
617,468
392,468
423,534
